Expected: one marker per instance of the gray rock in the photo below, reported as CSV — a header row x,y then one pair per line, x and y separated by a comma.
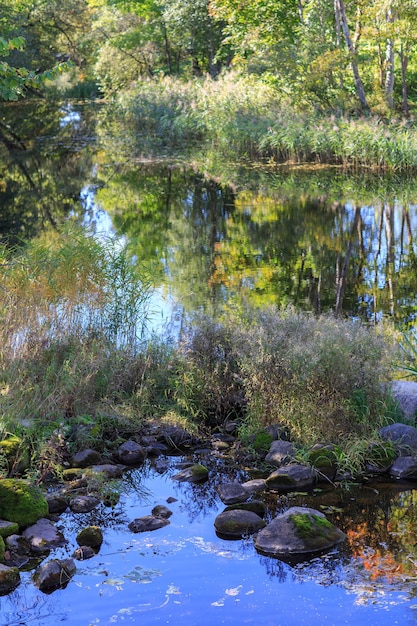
x,y
147,523
193,474
405,393
404,467
254,486
289,477
109,470
43,535
83,553
298,531
131,453
280,453
237,523
405,437
231,493
84,504
9,579
85,458
54,574
256,506
56,503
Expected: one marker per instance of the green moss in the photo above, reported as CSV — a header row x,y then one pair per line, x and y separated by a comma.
x,y
8,528
310,526
20,502
262,441
16,455
2,549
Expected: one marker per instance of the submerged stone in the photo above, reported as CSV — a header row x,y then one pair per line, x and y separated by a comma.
x,y
147,523
298,531
55,574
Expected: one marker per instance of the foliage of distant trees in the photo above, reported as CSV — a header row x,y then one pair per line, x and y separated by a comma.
x,y
340,56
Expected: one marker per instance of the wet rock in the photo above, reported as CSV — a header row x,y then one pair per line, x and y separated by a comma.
x,y
404,467
280,453
147,523
18,550
43,536
84,504
131,453
238,523
298,531
404,437
20,502
56,503
54,574
9,579
160,465
256,506
291,476
85,458
160,510
170,500
107,469
254,486
8,528
194,474
231,493
91,536
83,553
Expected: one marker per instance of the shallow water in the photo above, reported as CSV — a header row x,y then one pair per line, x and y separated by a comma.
x,y
185,574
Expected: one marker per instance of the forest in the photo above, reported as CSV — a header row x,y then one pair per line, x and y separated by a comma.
x,y
330,57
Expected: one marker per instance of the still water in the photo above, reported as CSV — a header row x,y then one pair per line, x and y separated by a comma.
x,y
184,574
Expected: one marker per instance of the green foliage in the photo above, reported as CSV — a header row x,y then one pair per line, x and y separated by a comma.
x,y
409,349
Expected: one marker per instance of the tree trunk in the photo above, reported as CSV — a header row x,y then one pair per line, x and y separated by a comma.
x,y
360,91
389,62
404,65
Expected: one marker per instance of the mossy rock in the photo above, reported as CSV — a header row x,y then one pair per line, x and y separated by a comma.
x,y
20,502
8,528
91,536
9,579
17,456
2,549
194,474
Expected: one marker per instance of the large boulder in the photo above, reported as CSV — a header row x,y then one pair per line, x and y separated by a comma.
x,y
293,476
404,437
298,531
237,523
21,502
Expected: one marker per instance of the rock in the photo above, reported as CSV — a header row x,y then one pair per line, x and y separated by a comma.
x,y
9,579
17,550
107,469
160,510
256,506
83,504
56,503
17,455
8,528
83,553
147,523
131,453
91,536
194,474
54,574
289,477
405,393
43,536
254,486
160,465
404,467
85,458
237,523
324,460
72,473
280,453
20,502
404,437
231,493
298,531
